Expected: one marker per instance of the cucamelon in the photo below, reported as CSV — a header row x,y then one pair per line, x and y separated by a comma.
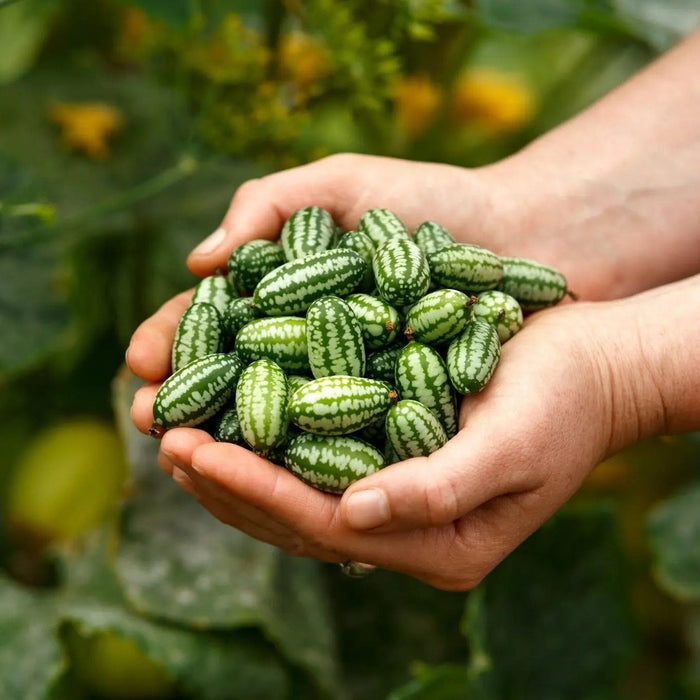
x,y
468,268
281,339
308,230
413,429
532,284
381,225
196,392
472,357
228,427
431,237
198,333
401,271
250,262
331,463
500,310
339,404
214,290
381,365
261,403
334,339
438,317
293,287
362,244
239,312
380,322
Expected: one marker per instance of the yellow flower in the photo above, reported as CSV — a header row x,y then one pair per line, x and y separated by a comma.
x,y
87,127
135,38
496,101
304,60
417,100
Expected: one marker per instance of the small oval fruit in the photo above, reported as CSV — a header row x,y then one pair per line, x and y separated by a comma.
x,y
239,312
472,357
381,365
431,237
250,262
414,430
533,284
214,290
281,339
228,427
199,333
382,225
401,272
467,268
438,317
308,230
502,311
362,244
380,322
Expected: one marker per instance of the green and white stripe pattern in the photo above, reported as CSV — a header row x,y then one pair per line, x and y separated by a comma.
x,y
228,427
294,286
362,244
339,404
381,365
500,310
421,375
239,312
413,429
294,381
308,230
380,322
261,402
196,392
431,237
331,463
532,284
468,268
198,334
472,357
438,317
250,262
214,290
334,339
381,225
401,272
281,339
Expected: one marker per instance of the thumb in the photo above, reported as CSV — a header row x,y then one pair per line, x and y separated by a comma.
x,y
260,207
431,491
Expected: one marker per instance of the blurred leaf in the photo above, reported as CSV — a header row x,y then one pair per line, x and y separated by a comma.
x,y
661,22
30,655
177,13
23,26
552,620
210,666
446,682
674,538
177,563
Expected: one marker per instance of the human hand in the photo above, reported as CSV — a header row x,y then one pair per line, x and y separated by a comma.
x,y
573,386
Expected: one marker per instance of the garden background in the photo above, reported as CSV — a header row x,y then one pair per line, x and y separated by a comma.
x,y
125,128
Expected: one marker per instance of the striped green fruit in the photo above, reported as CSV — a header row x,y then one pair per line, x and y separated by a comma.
x,y
401,272
500,310
281,339
214,290
532,284
239,312
250,262
381,365
361,243
196,392
334,339
381,225
329,463
468,268
472,357
228,427
421,375
294,286
431,237
380,322
308,230
339,404
261,403
199,333
413,429
438,317
294,381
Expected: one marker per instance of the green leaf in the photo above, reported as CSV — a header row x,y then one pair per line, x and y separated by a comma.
x,y
31,658
674,537
446,682
661,22
552,620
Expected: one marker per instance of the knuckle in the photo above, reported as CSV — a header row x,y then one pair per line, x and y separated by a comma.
x,y
246,189
441,500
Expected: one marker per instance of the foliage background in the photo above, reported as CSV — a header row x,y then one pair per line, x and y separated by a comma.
x,y
125,127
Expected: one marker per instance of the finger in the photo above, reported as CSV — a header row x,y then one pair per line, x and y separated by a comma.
x,y
148,354
260,207
142,406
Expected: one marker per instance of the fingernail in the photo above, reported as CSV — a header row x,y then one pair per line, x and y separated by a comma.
x,y
211,243
367,509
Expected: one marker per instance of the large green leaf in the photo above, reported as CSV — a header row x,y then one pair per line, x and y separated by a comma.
x,y
552,621
674,537
177,563
31,658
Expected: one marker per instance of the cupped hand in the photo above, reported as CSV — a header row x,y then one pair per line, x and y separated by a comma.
x,y
563,397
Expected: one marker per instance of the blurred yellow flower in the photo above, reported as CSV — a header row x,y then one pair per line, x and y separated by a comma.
x,y
417,100
87,127
491,99
135,37
304,60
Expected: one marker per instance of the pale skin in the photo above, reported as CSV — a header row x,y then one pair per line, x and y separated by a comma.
x,y
612,198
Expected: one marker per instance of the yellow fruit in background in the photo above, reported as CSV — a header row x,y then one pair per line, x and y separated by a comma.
x,y
493,100
87,127
70,478
417,100
114,668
